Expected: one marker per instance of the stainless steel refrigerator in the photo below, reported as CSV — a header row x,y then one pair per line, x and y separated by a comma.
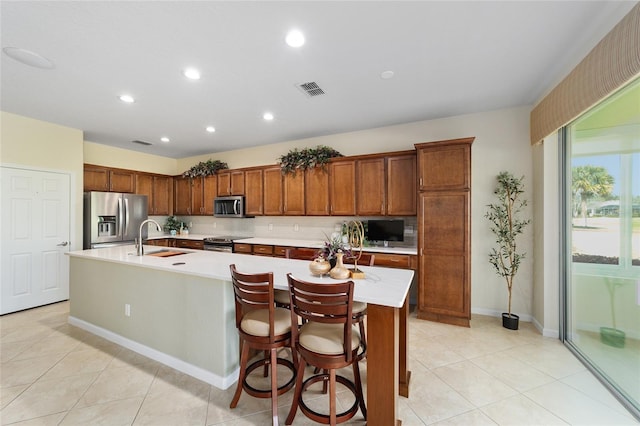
x,y
112,218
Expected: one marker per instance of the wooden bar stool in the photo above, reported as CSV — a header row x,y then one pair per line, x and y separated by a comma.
x,y
264,327
360,308
327,340
282,296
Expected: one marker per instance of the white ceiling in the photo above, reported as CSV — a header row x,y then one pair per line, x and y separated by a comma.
x,y
449,58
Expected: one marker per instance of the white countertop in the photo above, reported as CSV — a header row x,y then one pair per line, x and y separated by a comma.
x,y
381,286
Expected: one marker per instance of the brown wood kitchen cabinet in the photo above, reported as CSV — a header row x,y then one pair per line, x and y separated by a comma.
x,y
342,187
164,242
444,231
231,183
293,194
272,197
253,183
159,191
316,192
191,244
401,185
209,193
188,196
370,187
99,178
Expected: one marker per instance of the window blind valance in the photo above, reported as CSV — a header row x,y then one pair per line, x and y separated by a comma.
x,y
613,62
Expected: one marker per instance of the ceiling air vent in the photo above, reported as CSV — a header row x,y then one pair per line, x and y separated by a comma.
x,y
311,88
142,142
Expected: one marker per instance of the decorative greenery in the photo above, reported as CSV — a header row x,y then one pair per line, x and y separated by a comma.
x,y
173,224
507,225
306,158
205,168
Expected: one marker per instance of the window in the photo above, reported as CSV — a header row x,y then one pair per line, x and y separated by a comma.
x,y
602,230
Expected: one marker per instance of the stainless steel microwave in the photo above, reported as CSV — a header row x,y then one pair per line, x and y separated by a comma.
x,y
232,206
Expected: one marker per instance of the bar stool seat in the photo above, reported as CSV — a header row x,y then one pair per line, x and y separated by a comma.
x,y
256,322
326,338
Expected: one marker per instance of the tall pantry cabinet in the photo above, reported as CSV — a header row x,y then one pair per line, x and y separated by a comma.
x,y
444,231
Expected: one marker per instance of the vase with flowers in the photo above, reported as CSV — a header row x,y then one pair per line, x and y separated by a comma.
x,y
332,246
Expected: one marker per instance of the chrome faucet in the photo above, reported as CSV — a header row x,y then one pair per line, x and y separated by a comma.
x,y
139,248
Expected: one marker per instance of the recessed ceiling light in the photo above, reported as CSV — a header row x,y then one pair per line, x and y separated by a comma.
x,y
28,57
386,75
127,98
192,73
211,129
294,38
165,139
267,116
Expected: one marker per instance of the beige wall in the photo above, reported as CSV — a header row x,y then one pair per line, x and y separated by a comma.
x,y
546,226
45,146
104,155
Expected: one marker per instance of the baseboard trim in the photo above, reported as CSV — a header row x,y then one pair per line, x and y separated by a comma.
x,y
173,362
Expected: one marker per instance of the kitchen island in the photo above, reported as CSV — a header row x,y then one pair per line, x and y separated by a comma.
x,y
179,310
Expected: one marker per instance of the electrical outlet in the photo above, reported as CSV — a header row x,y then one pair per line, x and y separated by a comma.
x,y
408,230
215,225
271,227
127,310
296,227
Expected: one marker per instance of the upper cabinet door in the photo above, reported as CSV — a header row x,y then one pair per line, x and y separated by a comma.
x,y
231,183
342,187
122,181
162,195
401,186
237,182
272,197
253,183
224,184
96,178
182,196
370,187
197,196
294,194
159,190
444,165
209,193
144,186
316,192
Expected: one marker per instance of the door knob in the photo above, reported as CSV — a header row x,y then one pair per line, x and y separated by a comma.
x,y
63,244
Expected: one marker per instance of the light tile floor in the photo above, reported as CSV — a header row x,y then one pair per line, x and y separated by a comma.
x,y
55,374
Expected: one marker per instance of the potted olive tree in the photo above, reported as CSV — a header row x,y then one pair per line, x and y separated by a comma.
x,y
506,225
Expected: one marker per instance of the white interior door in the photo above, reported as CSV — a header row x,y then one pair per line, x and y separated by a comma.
x,y
35,233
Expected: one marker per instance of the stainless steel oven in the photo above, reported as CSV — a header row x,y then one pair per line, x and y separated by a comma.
x,y
224,244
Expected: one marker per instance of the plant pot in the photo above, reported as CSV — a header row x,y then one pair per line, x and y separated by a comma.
x,y
612,337
510,322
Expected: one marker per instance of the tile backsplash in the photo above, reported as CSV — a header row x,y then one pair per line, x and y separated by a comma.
x,y
289,227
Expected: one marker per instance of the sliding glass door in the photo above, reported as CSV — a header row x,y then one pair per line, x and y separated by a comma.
x,y
602,234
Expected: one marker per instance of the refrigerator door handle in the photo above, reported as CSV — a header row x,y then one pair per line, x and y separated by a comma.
x,y
126,217
120,227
